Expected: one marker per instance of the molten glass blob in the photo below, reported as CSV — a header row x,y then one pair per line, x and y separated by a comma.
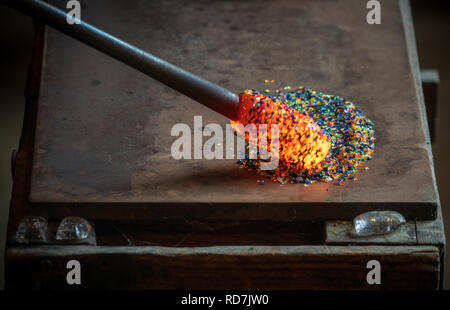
x,y
302,143
310,121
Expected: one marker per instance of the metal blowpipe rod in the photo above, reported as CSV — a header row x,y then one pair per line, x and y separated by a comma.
x,y
209,94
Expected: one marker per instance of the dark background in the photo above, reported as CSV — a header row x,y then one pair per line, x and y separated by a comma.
x,y
432,26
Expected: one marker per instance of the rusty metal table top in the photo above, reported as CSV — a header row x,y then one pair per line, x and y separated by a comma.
x,y
102,144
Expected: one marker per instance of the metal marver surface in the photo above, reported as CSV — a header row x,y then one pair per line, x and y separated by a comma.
x,y
103,130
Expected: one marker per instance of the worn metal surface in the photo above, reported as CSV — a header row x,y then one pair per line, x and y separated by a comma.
x,y
103,130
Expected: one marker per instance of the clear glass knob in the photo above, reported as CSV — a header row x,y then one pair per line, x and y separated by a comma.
x,y
377,223
32,229
74,228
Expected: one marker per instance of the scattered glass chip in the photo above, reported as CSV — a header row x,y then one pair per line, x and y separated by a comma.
x,y
74,228
32,229
345,135
377,223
